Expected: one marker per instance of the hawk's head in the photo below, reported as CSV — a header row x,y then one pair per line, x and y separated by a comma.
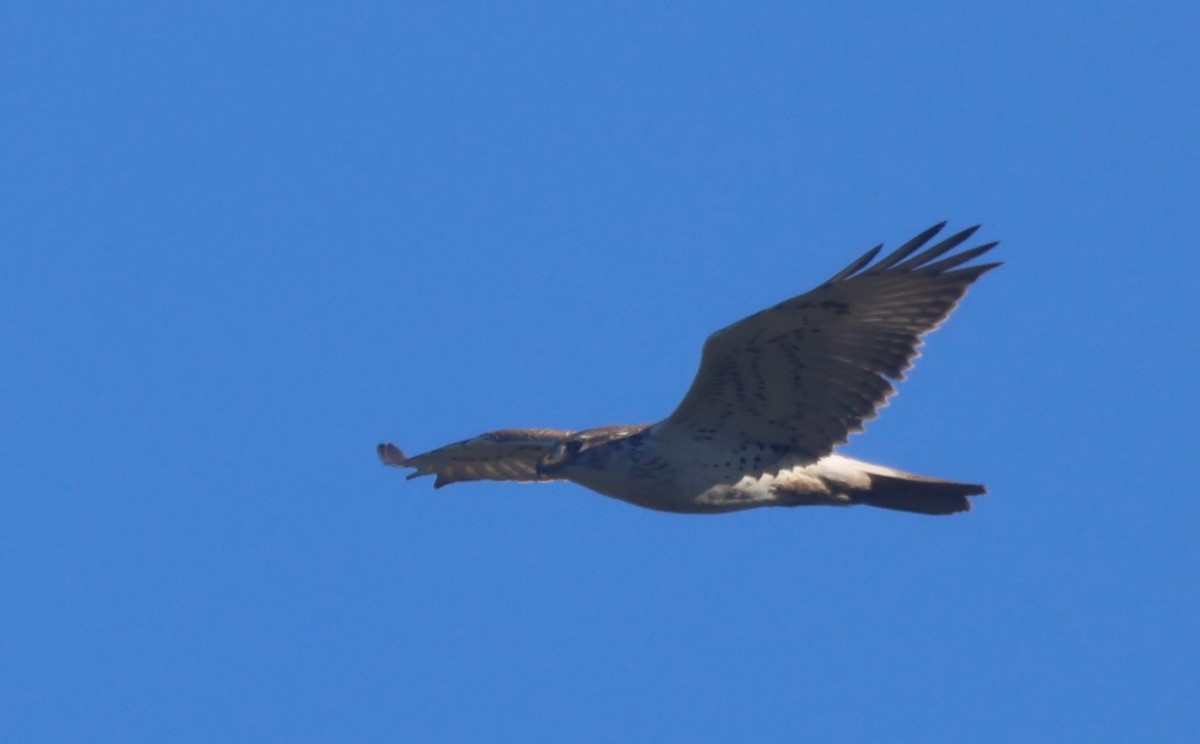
x,y
563,454
590,451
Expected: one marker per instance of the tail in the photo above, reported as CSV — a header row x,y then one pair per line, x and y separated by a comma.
x,y
915,493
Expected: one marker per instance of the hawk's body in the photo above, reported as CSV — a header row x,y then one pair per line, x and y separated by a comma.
x,y
775,393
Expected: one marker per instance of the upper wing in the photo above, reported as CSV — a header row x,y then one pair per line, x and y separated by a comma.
x,y
799,378
506,455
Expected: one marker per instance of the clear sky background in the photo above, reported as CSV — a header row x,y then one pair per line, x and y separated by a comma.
x,y
240,244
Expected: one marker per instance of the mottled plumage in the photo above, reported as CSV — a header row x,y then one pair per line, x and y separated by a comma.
x,y
775,394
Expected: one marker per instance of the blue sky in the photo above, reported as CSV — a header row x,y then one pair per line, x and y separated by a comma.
x,y
243,243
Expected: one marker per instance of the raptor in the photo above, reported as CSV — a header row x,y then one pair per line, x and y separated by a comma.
x,y
775,394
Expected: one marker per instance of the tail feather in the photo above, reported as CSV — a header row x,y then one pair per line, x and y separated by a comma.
x,y
912,493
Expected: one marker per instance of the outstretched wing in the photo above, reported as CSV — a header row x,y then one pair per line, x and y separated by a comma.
x,y
798,378
506,455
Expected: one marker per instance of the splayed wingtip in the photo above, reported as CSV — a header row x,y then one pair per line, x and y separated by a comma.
x,y
391,455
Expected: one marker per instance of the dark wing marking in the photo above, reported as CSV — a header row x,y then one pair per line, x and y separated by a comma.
x,y
505,455
798,378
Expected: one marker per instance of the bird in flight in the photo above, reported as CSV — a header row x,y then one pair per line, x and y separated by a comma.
x,y
775,394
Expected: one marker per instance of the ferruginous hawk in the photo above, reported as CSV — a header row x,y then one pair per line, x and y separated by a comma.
x,y
775,394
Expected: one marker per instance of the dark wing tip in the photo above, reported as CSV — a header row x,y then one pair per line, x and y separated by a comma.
x,y
863,265
854,267
922,260
903,260
391,455
958,259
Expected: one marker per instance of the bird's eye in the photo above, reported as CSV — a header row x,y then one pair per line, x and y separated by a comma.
x,y
556,455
